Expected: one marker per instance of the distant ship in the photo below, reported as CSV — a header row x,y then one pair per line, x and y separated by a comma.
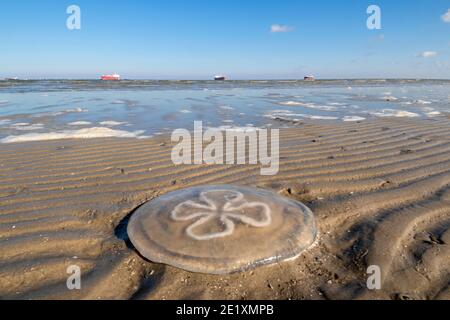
x,y
220,78
309,78
111,77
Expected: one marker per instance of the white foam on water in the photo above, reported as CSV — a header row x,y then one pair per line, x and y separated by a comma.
x,y
321,117
4,101
390,98
395,113
338,104
80,123
419,102
27,126
293,103
291,116
308,105
433,113
88,133
323,108
422,102
352,119
185,111
406,114
234,129
226,108
279,111
59,113
111,123
274,117
5,121
76,110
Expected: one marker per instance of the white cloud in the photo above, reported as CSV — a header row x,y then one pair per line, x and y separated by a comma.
x,y
427,54
277,28
446,16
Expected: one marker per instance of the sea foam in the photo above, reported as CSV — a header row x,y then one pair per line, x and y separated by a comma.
x,y
308,105
111,123
27,126
80,123
88,133
395,113
352,119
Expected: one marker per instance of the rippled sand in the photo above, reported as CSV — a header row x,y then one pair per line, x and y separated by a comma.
x,y
380,190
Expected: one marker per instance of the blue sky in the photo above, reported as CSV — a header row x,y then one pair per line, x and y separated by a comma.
x,y
196,39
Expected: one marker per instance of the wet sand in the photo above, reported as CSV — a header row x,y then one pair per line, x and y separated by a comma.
x,y
380,190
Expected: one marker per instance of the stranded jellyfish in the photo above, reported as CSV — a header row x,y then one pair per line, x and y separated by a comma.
x,y
221,229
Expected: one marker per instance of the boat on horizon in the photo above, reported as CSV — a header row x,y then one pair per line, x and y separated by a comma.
x,y
220,78
309,78
111,77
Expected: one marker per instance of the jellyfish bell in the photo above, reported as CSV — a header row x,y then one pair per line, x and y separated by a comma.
x,y
221,229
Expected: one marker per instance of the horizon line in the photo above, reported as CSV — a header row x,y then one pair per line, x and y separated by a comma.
x,y
218,81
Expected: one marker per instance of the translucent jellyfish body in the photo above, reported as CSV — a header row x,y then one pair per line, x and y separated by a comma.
x,y
221,229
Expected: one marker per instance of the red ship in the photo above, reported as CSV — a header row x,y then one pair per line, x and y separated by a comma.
x,y
111,77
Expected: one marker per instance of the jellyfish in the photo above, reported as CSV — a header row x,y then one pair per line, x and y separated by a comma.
x,y
221,229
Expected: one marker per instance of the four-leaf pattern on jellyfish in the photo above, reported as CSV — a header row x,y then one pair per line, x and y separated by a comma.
x,y
218,210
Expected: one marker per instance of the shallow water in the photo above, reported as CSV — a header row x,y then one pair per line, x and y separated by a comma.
x,y
38,108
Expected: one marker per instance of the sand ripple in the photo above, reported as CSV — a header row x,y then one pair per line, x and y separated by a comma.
x,y
380,190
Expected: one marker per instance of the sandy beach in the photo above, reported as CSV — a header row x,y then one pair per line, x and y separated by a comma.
x,y
380,190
